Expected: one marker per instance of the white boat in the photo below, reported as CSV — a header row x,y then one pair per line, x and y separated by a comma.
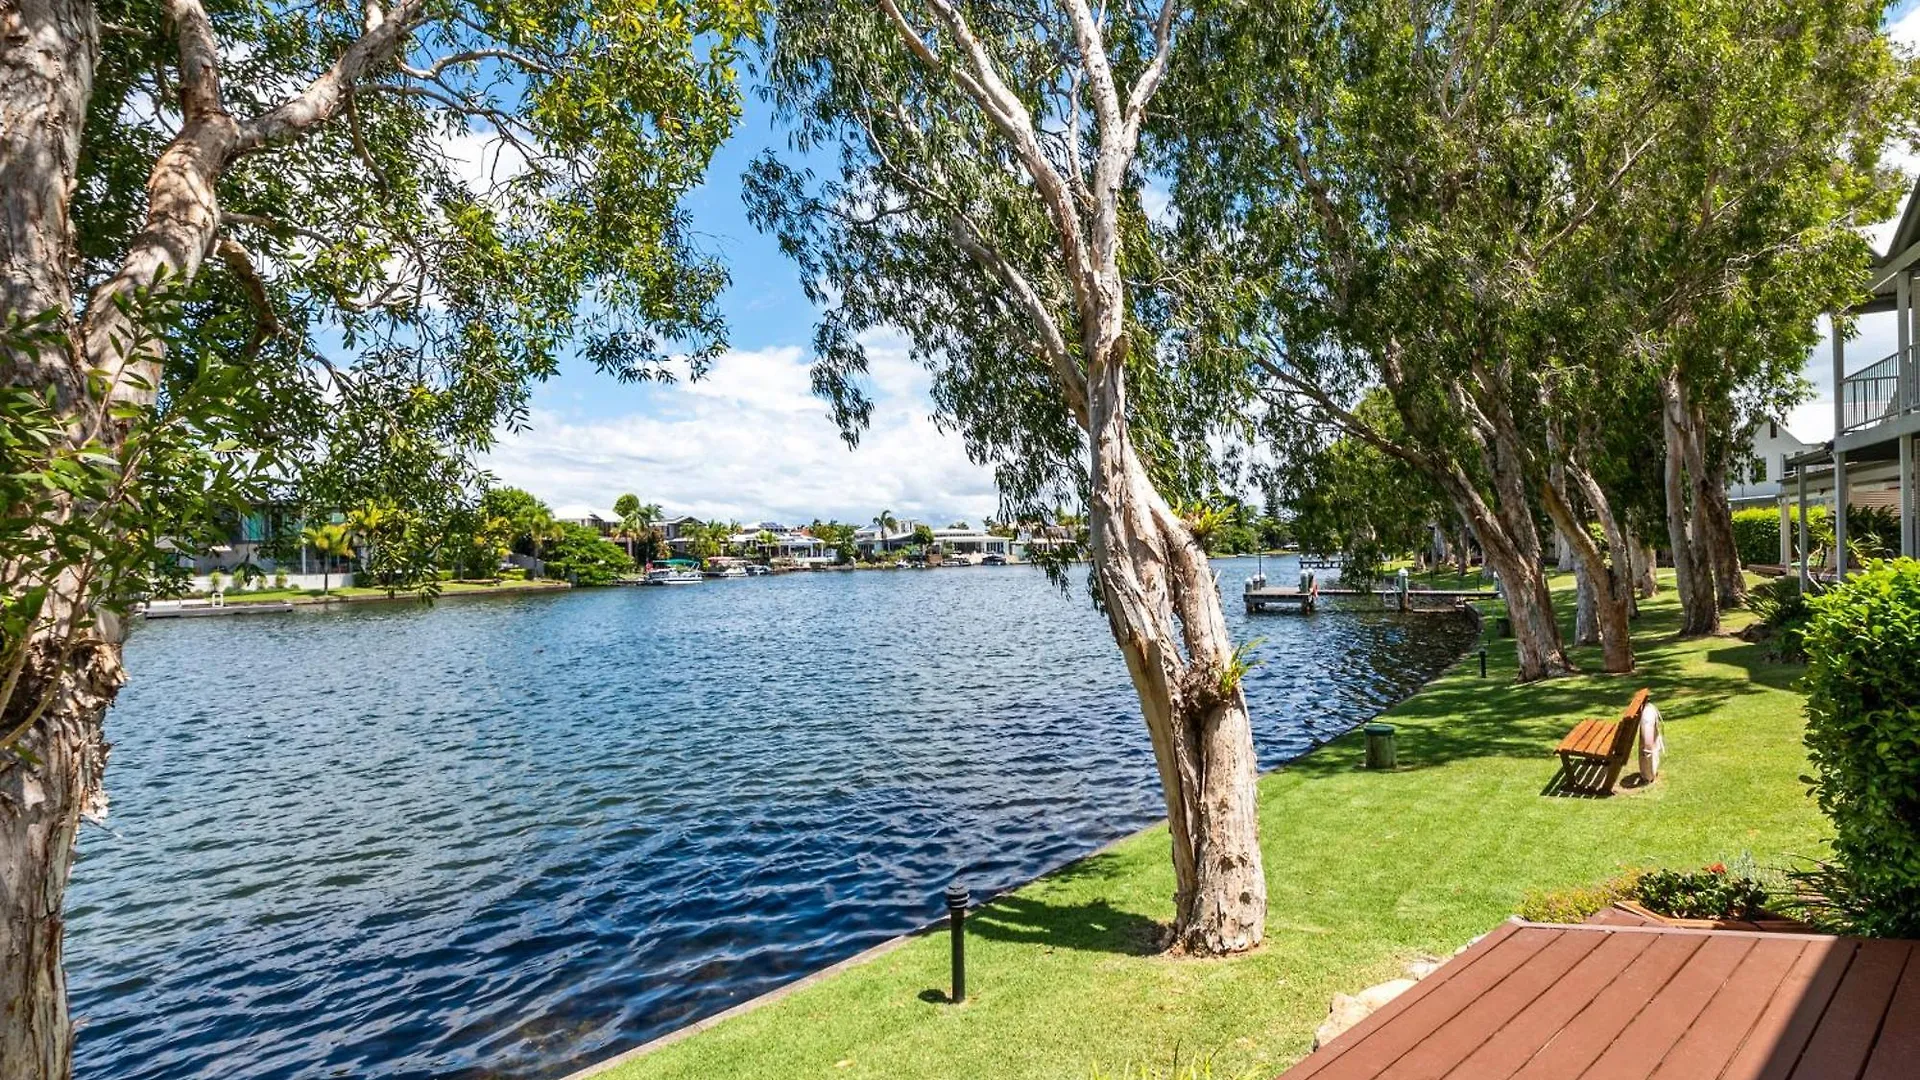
x,y
727,572
673,575
757,570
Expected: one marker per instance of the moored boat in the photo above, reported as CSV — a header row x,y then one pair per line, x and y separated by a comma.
x,y
673,575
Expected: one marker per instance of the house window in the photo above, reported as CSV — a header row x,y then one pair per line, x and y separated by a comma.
x,y
1760,471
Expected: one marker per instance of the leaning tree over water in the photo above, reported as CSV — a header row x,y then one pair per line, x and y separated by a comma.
x,y
196,196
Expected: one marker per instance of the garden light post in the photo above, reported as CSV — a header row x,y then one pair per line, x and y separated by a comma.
x,y
957,898
1483,661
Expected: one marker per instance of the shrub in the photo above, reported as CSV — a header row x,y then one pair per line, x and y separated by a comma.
x,y
1783,610
280,579
1576,904
1712,893
1756,535
1863,737
583,556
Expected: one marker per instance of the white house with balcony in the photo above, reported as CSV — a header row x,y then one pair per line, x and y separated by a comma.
x,y
971,544
1871,459
1759,480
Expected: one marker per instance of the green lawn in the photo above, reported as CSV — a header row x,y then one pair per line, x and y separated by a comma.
x,y
1365,870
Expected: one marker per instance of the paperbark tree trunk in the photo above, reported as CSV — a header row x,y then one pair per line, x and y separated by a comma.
x,y
1586,621
1152,573
1692,574
1712,506
1536,628
1155,584
1646,580
1607,586
48,49
1536,632
72,668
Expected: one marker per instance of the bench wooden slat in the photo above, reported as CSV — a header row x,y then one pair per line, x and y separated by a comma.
x,y
1609,742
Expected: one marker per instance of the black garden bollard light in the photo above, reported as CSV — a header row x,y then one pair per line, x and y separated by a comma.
x,y
957,899
1483,661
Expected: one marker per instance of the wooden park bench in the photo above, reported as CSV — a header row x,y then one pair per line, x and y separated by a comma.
x,y
1598,749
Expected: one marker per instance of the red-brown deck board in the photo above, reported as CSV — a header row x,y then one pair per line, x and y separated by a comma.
x,y
1619,1002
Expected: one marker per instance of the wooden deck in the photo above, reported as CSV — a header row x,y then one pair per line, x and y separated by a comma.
x,y
1612,1001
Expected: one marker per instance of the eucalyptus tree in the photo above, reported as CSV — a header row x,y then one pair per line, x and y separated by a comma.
x,y
1509,216
1383,188
1737,227
986,203
233,234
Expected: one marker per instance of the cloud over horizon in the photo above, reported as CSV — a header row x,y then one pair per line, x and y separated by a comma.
x,y
750,442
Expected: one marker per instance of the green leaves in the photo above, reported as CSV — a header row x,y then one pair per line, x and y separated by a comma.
x,y
1863,737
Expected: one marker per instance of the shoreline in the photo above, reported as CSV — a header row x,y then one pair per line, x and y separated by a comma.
x,y
867,955
201,610
1366,869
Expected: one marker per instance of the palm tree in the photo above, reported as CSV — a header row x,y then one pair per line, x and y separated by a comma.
x,y
627,507
331,541
886,523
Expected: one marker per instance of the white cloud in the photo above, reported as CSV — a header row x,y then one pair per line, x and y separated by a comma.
x,y
482,159
750,442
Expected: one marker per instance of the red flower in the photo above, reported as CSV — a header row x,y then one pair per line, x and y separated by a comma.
x,y
1717,868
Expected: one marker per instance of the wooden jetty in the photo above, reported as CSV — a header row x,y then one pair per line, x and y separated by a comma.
x,y
1304,601
211,611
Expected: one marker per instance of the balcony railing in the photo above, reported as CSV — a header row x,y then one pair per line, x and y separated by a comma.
x,y
1871,394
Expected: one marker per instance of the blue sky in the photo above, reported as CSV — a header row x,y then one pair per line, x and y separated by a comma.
x,y
750,442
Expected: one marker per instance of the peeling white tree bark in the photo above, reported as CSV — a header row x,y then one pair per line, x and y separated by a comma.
x,y
1155,583
48,50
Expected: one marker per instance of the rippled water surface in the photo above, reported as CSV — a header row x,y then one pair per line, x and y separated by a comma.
x,y
507,836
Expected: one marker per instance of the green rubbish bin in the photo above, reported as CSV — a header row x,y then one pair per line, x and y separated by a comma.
x,y
1381,753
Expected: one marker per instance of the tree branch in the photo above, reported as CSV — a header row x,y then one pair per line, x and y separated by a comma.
x,y
1072,381
322,97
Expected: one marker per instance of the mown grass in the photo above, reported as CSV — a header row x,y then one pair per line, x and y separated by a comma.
x,y
1365,872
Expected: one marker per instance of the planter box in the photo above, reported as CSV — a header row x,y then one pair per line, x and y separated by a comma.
x,y
1771,924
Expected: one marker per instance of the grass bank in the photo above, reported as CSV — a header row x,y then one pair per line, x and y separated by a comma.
x,y
369,592
1365,871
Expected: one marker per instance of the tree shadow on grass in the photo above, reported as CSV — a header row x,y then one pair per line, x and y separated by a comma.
x,y
1050,913
1465,717
1753,658
1095,926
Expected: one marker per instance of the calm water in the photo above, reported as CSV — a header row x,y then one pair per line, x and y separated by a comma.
x,y
505,837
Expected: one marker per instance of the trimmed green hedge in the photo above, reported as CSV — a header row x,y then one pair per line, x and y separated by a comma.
x,y
1756,535
1863,737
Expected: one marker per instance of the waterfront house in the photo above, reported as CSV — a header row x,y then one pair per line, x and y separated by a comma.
x,y
779,542
264,537
872,540
973,542
681,533
604,524
1871,458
